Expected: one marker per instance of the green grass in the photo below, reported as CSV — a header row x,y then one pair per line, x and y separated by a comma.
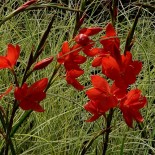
x,y
61,129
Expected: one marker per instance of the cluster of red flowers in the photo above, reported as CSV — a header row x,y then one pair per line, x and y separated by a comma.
x,y
71,59
28,97
122,69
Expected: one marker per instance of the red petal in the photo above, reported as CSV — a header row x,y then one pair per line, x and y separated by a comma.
x,y
91,31
82,39
126,59
100,83
137,67
118,92
90,106
93,52
87,49
96,94
97,61
74,73
137,116
60,58
74,83
130,106
110,31
129,75
111,67
38,86
26,105
135,99
76,49
12,54
93,118
4,62
79,59
20,93
128,119
43,63
65,48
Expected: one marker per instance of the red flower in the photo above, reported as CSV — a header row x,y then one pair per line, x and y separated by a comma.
x,y
90,31
102,97
110,41
123,73
131,105
100,54
70,56
71,78
71,59
84,41
11,57
128,70
110,51
29,97
94,109
43,63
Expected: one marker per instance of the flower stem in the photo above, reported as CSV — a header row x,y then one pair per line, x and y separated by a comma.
x,y
106,139
89,143
9,128
57,67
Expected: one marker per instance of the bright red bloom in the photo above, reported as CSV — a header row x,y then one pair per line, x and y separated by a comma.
x,y
43,63
131,105
128,70
71,78
100,54
11,57
70,56
29,97
110,50
123,73
84,41
102,97
71,59
90,31
110,41
83,37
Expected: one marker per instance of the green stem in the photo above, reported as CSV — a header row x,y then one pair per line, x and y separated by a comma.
x,y
43,39
109,119
57,67
122,145
145,5
16,12
39,50
41,6
89,143
14,74
23,118
129,39
2,120
9,128
78,17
